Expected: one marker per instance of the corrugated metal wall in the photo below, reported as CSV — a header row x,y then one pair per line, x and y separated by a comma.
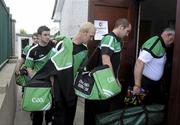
x,y
5,33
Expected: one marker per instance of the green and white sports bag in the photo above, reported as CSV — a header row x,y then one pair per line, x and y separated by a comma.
x,y
106,83
37,96
99,84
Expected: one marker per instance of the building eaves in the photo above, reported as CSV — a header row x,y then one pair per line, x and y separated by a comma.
x,y
56,16
55,5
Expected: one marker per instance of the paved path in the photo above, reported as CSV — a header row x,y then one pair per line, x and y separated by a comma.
x,y
23,118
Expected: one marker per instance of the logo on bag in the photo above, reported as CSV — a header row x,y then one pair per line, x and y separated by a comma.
x,y
110,79
37,100
83,85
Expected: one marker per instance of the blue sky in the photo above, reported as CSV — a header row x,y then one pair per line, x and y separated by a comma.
x,y
30,14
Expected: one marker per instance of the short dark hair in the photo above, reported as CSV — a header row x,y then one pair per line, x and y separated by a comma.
x,y
41,29
35,34
121,21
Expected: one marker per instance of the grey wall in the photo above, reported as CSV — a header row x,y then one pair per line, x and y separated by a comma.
x,y
8,94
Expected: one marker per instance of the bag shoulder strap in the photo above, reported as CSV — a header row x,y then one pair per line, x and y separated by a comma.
x,y
87,60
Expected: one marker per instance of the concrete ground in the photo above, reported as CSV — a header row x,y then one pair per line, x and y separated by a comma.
x,y
23,118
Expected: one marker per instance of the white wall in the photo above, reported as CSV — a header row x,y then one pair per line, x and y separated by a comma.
x,y
74,14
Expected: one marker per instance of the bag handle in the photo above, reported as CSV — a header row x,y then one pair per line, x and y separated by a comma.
x,y
87,60
142,104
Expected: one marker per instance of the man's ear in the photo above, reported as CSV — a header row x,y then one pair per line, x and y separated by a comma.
x,y
121,27
39,36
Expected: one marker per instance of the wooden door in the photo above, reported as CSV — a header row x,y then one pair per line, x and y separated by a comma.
x,y
111,10
174,98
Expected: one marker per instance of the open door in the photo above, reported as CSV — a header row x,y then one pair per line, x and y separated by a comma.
x,y
111,10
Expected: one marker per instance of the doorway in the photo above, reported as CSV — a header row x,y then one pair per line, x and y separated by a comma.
x,y
24,43
110,11
154,17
